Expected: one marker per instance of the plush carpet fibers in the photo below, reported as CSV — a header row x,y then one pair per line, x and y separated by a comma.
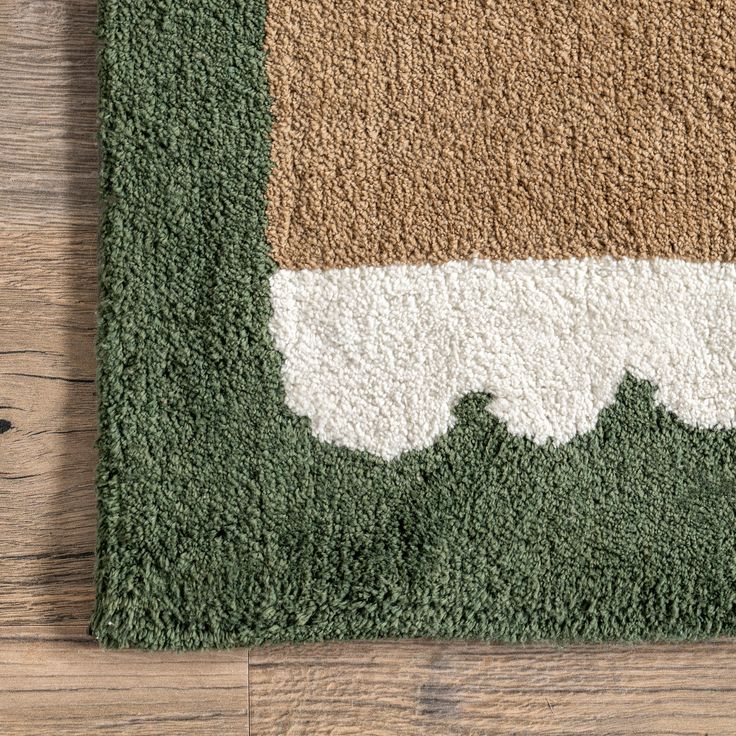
x,y
363,416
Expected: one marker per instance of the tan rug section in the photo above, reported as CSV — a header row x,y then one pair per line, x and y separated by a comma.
x,y
414,131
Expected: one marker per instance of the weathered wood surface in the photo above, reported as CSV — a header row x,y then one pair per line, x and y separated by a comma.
x,y
53,678
437,688
71,686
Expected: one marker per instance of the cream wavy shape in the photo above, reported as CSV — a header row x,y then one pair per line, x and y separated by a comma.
x,y
376,357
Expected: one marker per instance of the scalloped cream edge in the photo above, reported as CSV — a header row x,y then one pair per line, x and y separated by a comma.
x,y
376,357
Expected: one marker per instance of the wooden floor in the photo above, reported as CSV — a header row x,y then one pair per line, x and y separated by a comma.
x,y
53,678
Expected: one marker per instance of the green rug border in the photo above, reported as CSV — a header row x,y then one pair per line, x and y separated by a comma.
x,y
223,522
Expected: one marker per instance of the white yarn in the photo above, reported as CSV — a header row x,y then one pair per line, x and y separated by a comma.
x,y
376,357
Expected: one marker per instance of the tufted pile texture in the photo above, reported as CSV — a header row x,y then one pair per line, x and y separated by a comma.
x,y
330,423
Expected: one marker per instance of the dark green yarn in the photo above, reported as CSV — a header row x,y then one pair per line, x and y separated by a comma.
x,y
224,522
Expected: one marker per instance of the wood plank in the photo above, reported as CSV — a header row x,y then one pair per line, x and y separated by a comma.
x,y
48,84
456,688
73,687
47,457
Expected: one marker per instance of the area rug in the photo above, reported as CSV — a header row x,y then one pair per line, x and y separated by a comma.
x,y
417,318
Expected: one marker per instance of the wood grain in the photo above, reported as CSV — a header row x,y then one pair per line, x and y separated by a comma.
x,y
73,687
441,688
53,677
